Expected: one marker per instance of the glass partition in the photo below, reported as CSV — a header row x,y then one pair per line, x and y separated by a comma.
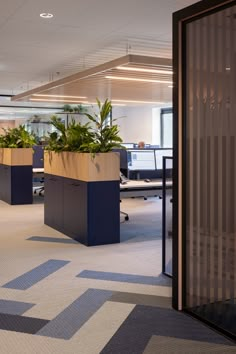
x,y
167,206
210,176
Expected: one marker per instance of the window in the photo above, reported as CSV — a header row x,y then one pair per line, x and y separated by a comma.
x,y
166,128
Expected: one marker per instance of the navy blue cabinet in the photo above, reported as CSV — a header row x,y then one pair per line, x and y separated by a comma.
x,y
104,212
88,212
5,183
53,201
16,184
75,211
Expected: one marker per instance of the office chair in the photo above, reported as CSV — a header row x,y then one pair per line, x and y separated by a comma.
x,y
125,214
40,189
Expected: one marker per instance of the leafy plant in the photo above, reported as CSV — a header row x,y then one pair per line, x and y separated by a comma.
x,y
67,108
74,109
80,109
82,138
17,138
106,136
71,138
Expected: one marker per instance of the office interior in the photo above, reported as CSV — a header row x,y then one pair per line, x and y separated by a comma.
x,y
58,295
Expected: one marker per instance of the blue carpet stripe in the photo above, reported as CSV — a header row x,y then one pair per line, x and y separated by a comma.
x,y
14,307
22,324
127,278
135,332
32,277
69,321
53,239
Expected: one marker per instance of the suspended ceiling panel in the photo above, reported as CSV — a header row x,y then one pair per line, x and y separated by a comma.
x,y
127,80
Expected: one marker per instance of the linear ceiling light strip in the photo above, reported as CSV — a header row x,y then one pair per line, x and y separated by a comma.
x,y
56,100
155,71
135,79
60,96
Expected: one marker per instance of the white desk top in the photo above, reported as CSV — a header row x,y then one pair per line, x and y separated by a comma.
x,y
136,184
131,184
38,170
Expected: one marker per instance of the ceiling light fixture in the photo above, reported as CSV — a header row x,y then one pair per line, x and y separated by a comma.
x,y
42,95
46,15
155,71
140,80
133,101
113,104
56,100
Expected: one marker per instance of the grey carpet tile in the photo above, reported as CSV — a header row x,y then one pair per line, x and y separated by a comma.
x,y
14,307
53,239
144,321
141,299
69,321
32,277
127,278
23,324
167,345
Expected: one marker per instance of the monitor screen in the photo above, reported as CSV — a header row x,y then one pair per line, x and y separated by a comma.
x,y
159,154
141,160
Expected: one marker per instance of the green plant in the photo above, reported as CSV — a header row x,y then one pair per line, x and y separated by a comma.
x,y
80,109
106,136
67,108
82,138
71,138
17,138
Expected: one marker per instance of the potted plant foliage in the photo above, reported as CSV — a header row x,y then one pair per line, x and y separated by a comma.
x,y
79,109
96,138
80,161
16,165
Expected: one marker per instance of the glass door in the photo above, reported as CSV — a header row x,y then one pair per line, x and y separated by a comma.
x,y
209,196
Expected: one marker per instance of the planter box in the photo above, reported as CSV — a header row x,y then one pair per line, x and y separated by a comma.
x,y
16,157
82,166
16,175
82,196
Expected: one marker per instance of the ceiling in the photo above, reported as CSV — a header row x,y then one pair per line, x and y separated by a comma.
x,y
82,34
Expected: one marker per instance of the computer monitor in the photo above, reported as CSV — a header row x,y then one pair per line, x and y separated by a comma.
x,y
141,160
159,153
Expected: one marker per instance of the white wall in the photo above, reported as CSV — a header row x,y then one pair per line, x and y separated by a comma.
x,y
141,123
136,125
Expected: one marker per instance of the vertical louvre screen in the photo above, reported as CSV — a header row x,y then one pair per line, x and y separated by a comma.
x,y
210,168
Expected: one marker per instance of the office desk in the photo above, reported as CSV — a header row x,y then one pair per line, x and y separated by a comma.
x,y
142,189
132,188
38,172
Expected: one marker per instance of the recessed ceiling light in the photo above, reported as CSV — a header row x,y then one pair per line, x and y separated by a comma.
x,y
46,15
